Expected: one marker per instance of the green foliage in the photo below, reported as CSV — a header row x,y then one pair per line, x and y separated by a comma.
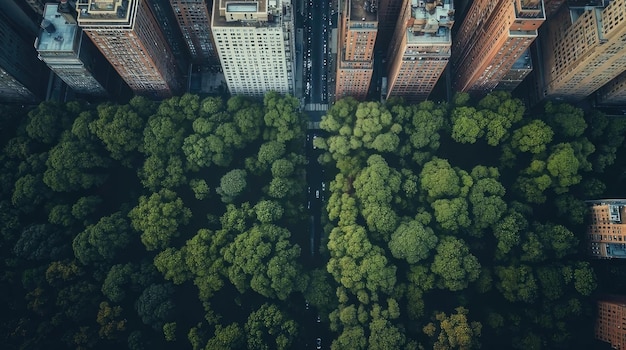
x,y
103,240
268,211
517,283
171,263
454,331
232,184
200,188
412,241
532,137
566,120
120,129
439,180
269,328
47,122
155,305
169,331
584,278
229,337
158,217
454,264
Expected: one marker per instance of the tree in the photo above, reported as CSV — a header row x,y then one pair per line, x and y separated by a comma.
x,y
41,243
171,263
157,218
263,259
452,214
47,122
412,241
268,211
566,120
103,240
169,331
507,231
439,180
120,128
110,321
155,305
232,184
454,264
584,278
532,137
229,337
467,124
200,188
269,328
454,331
517,283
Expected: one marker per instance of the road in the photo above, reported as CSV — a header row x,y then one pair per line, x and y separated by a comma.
x,y
318,50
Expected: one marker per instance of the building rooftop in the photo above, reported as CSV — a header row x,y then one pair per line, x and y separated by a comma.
x,y
363,10
431,21
238,13
106,12
56,33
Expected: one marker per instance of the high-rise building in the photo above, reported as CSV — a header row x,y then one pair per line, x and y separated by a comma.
x,y
22,16
69,53
606,232
194,19
255,43
388,13
614,92
611,321
585,49
355,51
130,37
492,44
420,48
22,76
36,5
164,14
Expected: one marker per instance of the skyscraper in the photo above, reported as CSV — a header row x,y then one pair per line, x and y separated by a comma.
x,y
355,51
491,44
130,37
611,321
194,19
388,13
255,43
585,49
69,53
607,229
420,48
614,92
22,75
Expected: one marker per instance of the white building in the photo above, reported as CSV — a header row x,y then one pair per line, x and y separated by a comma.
x,y
255,43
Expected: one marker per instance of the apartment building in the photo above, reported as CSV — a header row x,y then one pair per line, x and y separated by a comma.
x,y
490,50
420,48
584,49
132,40
255,44
22,76
355,52
606,232
611,322
194,19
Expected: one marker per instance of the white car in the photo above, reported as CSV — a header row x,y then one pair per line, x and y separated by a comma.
x,y
317,193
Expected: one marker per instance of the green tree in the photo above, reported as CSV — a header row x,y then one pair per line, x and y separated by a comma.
x,y
567,121
269,328
103,240
438,179
412,241
517,283
120,128
454,331
225,338
454,264
171,263
232,184
452,214
200,188
584,278
157,218
155,305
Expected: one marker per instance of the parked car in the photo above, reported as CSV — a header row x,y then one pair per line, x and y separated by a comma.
x,y
318,343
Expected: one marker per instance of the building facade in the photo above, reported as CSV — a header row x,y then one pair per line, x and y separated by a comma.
x,y
68,52
355,50
614,92
255,44
388,14
606,232
585,49
194,19
490,42
420,48
611,322
22,76
130,37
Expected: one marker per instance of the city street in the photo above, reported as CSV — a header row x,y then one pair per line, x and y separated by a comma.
x,y
318,51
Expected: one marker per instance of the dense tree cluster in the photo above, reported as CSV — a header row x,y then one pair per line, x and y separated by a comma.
x,y
180,223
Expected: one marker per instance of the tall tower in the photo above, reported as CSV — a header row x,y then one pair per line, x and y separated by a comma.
x,y
255,43
129,36
355,52
22,75
388,14
611,321
420,48
614,92
69,53
492,42
194,19
585,49
607,230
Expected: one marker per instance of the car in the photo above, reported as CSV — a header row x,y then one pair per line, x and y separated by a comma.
x,y
318,319
306,304
317,195
308,205
318,343
323,186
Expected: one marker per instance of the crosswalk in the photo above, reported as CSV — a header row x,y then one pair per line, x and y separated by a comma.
x,y
316,107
